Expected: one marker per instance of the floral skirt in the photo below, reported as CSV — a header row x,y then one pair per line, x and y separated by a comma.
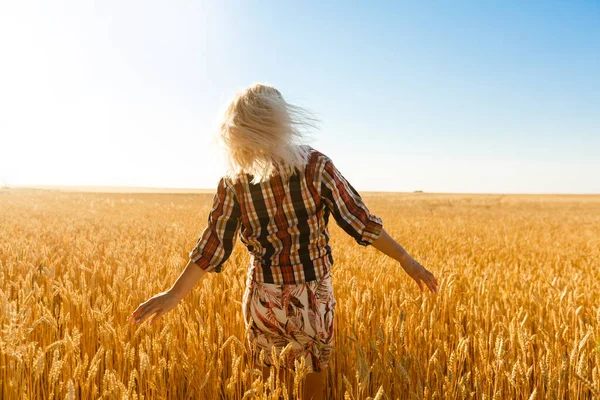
x,y
300,314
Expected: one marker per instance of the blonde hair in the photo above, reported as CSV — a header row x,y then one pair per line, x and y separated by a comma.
x,y
263,134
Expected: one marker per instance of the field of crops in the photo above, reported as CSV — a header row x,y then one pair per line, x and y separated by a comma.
x,y
517,315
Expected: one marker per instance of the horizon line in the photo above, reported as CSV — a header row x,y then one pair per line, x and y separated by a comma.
x,y
158,189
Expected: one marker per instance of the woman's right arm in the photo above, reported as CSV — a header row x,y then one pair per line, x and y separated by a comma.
x,y
353,216
388,246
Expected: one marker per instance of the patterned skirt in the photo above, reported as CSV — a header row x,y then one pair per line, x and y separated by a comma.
x,y
300,314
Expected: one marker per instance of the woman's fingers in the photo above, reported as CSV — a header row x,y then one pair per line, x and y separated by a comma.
x,y
135,315
428,279
420,274
433,278
418,280
145,310
428,284
146,313
431,285
140,308
158,304
155,307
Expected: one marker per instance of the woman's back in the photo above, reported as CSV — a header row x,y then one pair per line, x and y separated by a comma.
x,y
284,226
283,222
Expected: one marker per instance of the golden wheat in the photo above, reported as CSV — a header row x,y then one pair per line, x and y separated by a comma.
x,y
517,315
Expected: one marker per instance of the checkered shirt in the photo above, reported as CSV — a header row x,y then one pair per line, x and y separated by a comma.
x,y
284,224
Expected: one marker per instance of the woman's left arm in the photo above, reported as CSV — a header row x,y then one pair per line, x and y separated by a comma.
x,y
212,249
167,300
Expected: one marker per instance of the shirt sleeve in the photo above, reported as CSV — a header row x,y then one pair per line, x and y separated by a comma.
x,y
347,207
215,244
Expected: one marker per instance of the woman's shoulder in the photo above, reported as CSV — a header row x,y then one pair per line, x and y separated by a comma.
x,y
315,156
316,165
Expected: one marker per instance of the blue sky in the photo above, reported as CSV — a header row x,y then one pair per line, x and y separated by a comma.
x,y
449,96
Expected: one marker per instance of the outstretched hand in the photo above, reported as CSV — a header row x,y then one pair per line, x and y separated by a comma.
x,y
419,273
158,304
388,246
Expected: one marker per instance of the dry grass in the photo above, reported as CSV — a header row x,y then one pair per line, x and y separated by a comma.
x,y
517,315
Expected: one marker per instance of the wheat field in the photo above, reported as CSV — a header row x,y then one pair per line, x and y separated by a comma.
x,y
517,315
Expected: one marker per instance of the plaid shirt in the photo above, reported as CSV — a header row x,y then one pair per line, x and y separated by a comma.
x,y
284,224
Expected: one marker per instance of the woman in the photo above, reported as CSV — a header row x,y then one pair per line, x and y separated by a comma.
x,y
278,194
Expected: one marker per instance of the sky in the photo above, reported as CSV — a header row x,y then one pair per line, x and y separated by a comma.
x,y
444,96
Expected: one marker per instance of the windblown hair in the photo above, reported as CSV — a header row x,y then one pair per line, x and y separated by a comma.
x,y
263,134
